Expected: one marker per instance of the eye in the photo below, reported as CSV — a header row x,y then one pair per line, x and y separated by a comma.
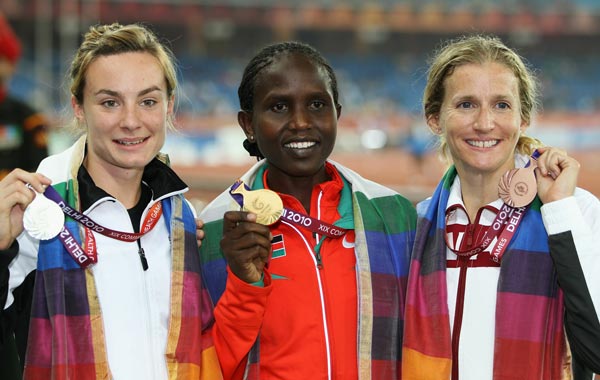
x,y
465,105
279,107
316,105
503,105
110,103
148,102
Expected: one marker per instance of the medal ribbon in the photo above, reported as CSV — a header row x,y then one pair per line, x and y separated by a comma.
x,y
503,228
297,218
89,256
535,155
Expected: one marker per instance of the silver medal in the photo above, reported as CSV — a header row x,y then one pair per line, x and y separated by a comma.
x,y
43,219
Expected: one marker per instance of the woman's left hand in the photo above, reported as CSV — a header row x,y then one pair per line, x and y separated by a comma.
x,y
556,174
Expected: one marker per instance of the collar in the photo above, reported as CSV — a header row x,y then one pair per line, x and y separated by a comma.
x,y
337,185
158,176
456,211
487,213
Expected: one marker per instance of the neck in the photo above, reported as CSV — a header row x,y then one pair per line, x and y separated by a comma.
x,y
480,187
478,191
299,187
123,184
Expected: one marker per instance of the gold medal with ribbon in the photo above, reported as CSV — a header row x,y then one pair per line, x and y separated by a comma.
x,y
266,204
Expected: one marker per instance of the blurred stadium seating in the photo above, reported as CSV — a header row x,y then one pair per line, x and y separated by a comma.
x,y
379,50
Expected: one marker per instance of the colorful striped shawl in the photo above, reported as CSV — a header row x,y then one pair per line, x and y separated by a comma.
x,y
529,338
66,339
384,226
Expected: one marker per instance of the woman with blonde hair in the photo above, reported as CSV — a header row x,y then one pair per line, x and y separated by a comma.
x,y
502,250
118,291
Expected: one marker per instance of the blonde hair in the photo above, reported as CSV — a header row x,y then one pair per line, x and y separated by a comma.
x,y
479,49
103,40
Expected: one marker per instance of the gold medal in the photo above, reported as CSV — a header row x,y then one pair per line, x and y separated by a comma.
x,y
266,204
518,187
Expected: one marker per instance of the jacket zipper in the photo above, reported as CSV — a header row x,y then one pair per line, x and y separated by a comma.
x,y
320,273
142,255
316,235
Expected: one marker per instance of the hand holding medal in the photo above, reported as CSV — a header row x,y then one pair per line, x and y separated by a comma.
x,y
43,219
266,204
518,187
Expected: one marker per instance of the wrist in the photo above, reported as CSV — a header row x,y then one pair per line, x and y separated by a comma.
x,y
247,275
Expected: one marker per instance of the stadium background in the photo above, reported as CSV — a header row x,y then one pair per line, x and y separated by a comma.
x,y
379,50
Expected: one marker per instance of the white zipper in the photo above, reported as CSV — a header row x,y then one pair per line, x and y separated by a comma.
x,y
322,297
149,322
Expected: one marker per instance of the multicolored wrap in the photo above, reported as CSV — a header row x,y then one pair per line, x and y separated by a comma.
x,y
530,338
384,225
67,338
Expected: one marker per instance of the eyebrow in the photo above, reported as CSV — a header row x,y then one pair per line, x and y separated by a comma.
x,y
285,94
471,98
115,93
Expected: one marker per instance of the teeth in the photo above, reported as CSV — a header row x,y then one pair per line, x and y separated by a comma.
x,y
482,144
130,142
300,145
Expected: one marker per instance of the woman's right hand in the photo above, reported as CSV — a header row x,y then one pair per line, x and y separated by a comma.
x,y
15,196
557,174
246,245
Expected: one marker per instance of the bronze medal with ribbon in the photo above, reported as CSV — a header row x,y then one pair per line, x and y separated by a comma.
x,y
518,187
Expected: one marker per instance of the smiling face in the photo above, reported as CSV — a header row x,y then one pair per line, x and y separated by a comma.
x,y
125,110
294,117
480,118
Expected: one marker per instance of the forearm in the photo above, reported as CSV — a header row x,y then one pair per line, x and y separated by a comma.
x,y
238,318
571,238
581,321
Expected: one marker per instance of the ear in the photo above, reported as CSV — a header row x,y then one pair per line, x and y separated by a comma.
x,y
338,108
171,106
245,121
433,121
77,109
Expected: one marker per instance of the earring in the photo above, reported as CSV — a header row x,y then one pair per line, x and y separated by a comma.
x,y
251,138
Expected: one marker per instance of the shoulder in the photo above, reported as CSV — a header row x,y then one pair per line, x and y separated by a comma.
x,y
55,167
217,207
224,202
423,206
360,184
378,201
58,166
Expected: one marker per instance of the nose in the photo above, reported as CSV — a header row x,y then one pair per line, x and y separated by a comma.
x,y
300,119
130,117
484,121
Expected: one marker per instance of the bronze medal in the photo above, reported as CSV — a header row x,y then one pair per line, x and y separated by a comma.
x,y
266,204
518,187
